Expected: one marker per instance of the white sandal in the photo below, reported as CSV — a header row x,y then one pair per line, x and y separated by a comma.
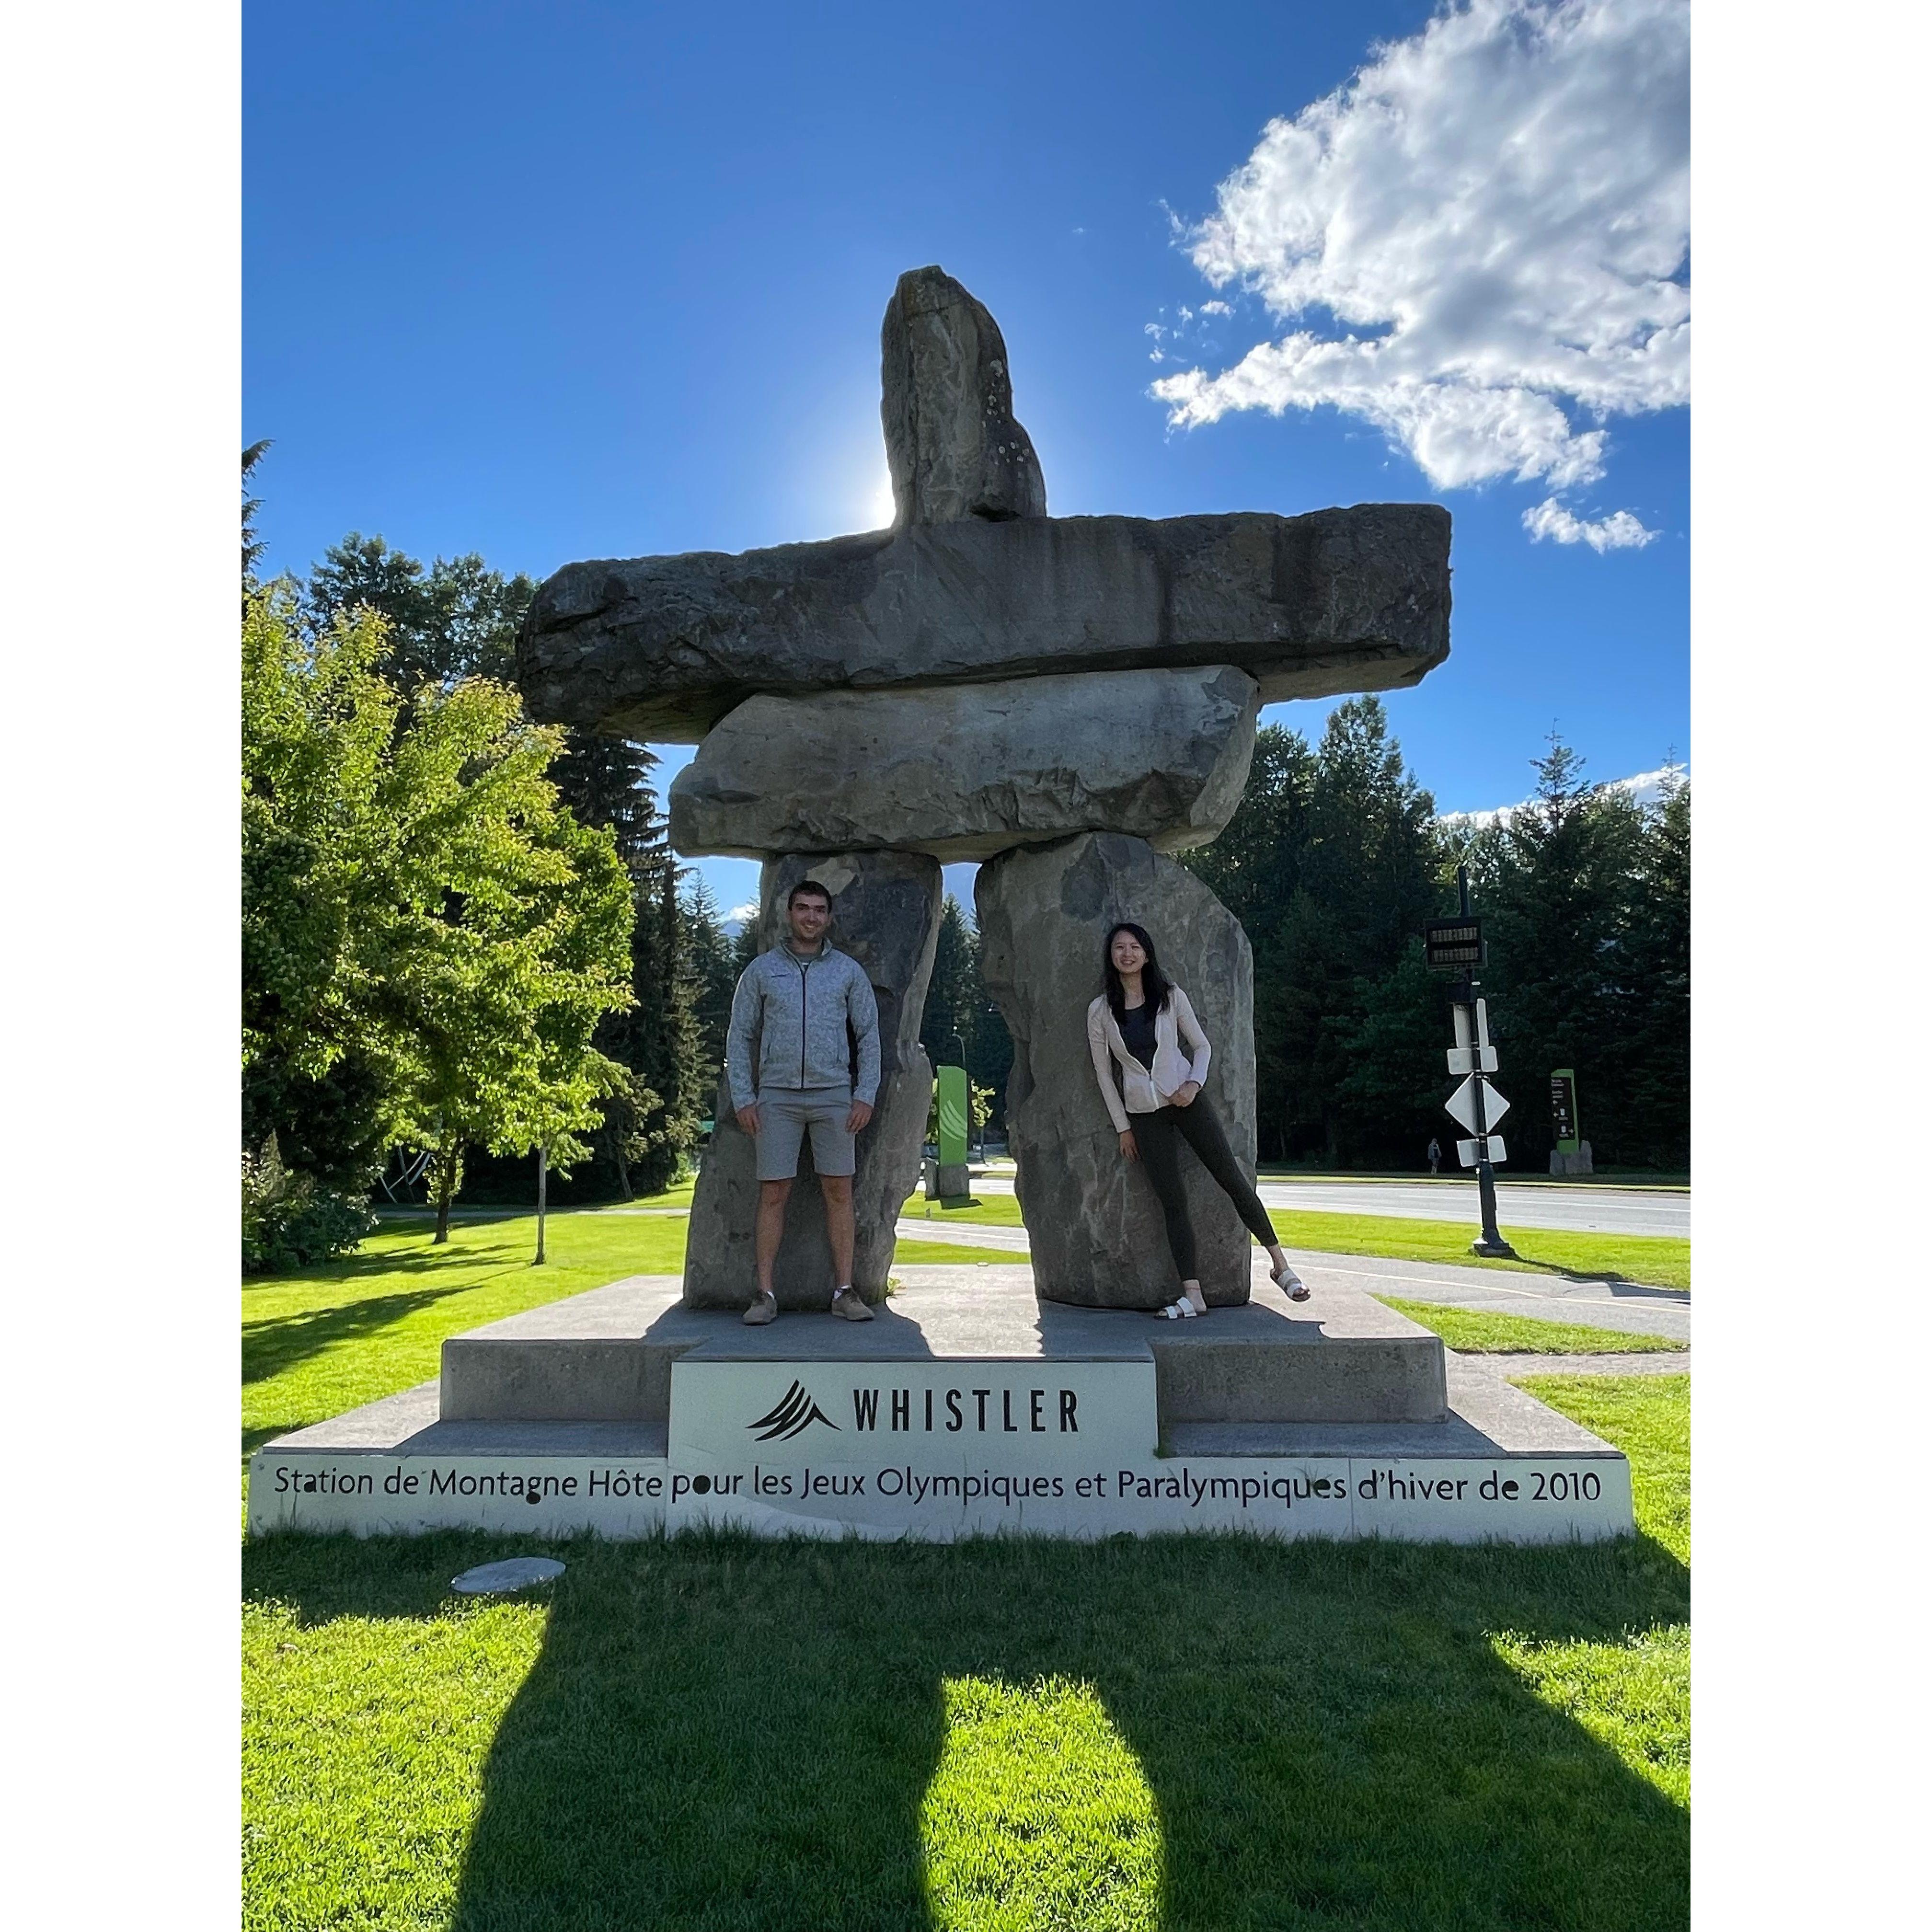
x,y
1290,1283
1183,1310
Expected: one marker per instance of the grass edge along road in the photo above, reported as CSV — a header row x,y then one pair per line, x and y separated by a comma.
x,y
1472,1331
1205,1732
1654,1261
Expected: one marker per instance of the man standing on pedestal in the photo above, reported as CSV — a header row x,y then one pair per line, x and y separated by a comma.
x,y
797,1001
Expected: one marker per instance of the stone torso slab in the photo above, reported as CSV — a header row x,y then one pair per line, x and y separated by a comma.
x,y
962,771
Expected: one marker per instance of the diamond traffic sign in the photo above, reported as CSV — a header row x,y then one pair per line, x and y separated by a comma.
x,y
1462,1104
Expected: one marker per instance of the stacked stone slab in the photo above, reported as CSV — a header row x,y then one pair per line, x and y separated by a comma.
x,y
1066,699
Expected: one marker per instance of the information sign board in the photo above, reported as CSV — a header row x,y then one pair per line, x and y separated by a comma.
x,y
1563,1110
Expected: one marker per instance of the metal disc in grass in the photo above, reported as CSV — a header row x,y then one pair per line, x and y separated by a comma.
x,y
515,1572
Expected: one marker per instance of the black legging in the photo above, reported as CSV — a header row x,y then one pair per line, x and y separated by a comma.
x,y
1158,1136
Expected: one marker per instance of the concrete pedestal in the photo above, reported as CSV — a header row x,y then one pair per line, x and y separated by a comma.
x,y
968,1407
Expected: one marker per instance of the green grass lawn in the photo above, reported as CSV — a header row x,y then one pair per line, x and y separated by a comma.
x,y
711,1732
1472,1332
1659,1261
1200,1733
329,1339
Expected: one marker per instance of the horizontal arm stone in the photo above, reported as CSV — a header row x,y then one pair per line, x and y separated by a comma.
x,y
662,648
962,772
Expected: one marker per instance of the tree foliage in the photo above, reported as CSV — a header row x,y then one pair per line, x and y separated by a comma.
x,y
1586,895
252,544
960,1014
714,970
454,619
1329,864
650,1123
419,911
1333,863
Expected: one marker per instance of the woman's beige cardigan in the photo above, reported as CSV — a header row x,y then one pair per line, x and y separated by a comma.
x,y
1172,1070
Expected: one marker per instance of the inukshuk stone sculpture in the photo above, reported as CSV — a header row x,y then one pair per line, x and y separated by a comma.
x,y
1067,699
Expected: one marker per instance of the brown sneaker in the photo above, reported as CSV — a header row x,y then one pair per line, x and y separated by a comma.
x,y
764,1308
847,1304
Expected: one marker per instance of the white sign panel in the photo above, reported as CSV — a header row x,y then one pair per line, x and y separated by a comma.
x,y
1463,1059
1462,1104
1514,1499
1470,1152
792,1414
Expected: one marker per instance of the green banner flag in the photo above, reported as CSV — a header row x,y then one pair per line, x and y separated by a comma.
x,y
952,1082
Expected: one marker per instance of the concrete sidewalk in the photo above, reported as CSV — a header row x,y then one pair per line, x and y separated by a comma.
x,y
1627,1306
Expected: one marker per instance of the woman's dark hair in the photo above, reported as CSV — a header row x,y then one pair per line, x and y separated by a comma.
x,y
1154,983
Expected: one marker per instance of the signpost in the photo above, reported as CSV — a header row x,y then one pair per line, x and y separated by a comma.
x,y
1457,946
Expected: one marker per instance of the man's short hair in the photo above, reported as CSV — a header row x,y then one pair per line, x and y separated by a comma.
x,y
807,889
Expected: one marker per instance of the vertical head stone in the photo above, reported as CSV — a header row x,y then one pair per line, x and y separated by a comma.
x,y
952,444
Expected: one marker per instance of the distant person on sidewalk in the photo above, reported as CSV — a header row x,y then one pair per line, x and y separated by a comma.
x,y
1435,1155
795,1001
1136,1027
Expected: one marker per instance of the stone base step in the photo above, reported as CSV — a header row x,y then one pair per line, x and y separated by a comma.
x,y
1342,1356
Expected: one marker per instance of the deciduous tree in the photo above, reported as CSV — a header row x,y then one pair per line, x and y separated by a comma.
x,y
416,902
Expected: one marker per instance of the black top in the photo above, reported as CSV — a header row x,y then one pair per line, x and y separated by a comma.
x,y
1137,1033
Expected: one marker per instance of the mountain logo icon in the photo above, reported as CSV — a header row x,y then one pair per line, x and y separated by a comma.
x,y
795,1412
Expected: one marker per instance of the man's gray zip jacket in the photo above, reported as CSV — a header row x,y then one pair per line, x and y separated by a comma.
x,y
797,1008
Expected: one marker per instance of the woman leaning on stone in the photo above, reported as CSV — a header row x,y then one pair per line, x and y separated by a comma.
x,y
1136,1030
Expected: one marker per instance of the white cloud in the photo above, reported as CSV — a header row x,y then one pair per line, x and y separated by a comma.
x,y
1620,531
735,921
1647,787
1482,233
1216,308
1644,788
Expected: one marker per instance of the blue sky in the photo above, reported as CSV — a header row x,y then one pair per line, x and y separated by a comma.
x,y
565,281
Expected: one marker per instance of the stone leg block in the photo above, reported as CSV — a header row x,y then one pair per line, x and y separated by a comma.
x,y
885,912
1097,1233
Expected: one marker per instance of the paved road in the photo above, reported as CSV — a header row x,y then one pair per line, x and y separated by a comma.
x,y
1607,1211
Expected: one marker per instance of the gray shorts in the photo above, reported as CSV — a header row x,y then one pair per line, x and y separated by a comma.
x,y
788,1113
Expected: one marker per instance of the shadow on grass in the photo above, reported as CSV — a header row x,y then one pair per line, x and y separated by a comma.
x,y
355,1268
725,1733
279,1341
